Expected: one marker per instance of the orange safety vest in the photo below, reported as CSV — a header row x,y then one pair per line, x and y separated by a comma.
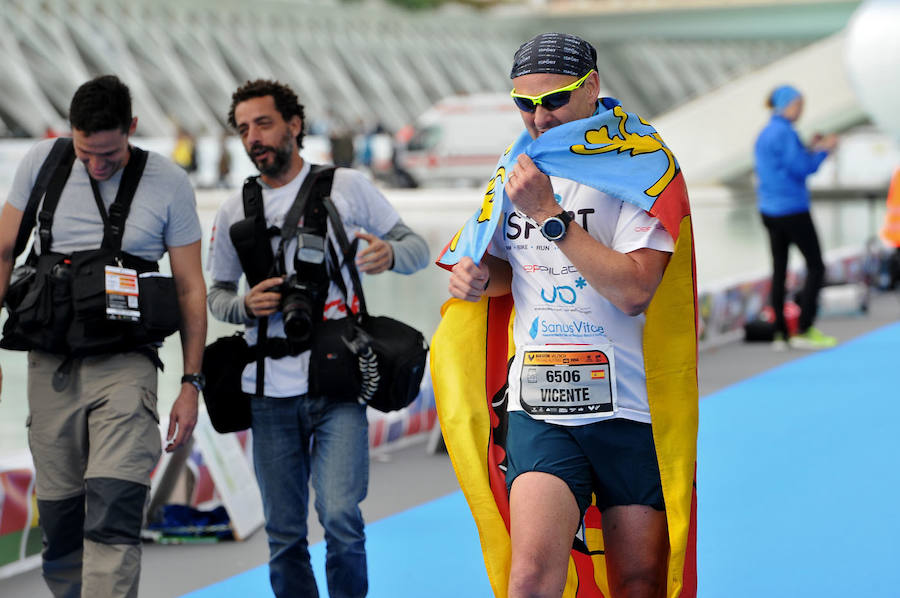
x,y
891,231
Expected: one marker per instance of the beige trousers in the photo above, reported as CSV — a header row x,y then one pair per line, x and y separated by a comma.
x,y
102,424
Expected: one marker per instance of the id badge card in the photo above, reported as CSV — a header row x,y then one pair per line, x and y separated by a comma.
x,y
122,294
575,381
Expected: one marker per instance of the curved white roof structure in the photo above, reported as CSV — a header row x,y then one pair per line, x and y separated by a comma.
x,y
363,62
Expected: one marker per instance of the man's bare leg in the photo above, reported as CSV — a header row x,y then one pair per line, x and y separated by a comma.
x,y
544,519
637,551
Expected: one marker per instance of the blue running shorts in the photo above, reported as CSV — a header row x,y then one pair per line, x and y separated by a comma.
x,y
614,458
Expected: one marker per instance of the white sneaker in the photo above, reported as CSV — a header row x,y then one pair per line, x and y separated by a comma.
x,y
778,343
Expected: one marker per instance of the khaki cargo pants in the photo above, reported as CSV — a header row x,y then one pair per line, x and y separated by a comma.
x,y
94,444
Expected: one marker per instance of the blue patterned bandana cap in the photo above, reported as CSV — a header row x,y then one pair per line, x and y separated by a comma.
x,y
558,53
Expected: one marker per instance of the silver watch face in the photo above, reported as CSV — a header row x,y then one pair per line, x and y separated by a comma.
x,y
553,228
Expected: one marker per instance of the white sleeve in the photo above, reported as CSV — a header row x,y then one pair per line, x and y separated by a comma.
x,y
361,204
637,229
222,261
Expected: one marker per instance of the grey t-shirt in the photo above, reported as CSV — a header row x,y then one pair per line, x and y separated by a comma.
x,y
163,212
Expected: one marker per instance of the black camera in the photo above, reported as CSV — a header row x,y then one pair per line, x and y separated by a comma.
x,y
303,293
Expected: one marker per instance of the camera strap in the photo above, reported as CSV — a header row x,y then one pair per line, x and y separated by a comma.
x,y
348,255
316,184
261,343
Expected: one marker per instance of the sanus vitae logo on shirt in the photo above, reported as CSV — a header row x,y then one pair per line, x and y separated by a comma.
x,y
576,328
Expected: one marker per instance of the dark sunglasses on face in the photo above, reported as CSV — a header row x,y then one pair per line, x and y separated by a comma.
x,y
550,100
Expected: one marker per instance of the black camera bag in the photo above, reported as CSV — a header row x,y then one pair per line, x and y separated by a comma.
x,y
337,369
223,364
377,359
402,352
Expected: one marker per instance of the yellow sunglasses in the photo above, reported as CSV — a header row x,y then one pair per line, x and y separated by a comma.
x,y
550,100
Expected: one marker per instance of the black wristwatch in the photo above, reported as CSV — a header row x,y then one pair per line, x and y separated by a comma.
x,y
555,227
198,380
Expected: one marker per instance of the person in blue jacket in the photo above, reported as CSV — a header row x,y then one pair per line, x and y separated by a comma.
x,y
783,163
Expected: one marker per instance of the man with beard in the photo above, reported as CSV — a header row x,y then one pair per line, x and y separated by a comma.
x,y
297,435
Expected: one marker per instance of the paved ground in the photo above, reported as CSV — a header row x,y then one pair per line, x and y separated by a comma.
x,y
731,363
410,476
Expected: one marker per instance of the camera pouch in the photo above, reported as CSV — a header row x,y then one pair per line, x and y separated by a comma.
x,y
91,333
390,355
40,306
20,281
253,248
333,366
89,284
223,365
160,312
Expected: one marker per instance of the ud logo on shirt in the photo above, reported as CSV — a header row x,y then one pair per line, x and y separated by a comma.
x,y
565,294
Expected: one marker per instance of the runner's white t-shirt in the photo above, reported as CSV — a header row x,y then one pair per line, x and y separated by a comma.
x,y
556,306
360,205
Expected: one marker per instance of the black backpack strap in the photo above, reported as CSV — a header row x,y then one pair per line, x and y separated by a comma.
x,y
114,224
262,340
251,195
250,238
55,186
57,154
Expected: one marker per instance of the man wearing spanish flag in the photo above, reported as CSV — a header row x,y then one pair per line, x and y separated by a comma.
x,y
573,433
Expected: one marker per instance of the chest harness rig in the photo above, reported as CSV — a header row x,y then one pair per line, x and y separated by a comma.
x,y
58,302
374,360
305,291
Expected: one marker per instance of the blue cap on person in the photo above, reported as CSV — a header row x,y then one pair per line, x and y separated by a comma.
x,y
782,97
557,53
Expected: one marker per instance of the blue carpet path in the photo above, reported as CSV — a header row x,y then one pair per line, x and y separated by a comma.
x,y
798,482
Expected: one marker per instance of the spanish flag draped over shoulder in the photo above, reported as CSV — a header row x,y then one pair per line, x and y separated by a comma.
x,y
622,155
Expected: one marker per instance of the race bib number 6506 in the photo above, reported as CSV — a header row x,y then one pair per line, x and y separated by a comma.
x,y
573,380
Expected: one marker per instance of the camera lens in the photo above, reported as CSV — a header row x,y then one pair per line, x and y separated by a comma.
x,y
297,321
298,308
303,293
